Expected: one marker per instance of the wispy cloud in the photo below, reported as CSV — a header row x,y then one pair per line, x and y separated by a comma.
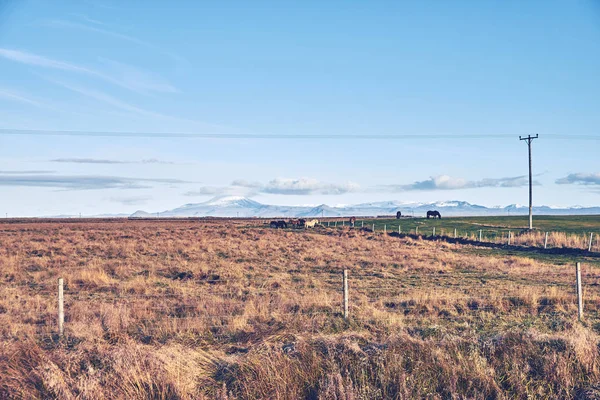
x,y
137,79
82,182
283,186
116,35
105,161
18,97
580,179
24,172
124,106
128,77
445,182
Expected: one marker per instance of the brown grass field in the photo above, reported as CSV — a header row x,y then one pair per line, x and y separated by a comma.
x,y
235,310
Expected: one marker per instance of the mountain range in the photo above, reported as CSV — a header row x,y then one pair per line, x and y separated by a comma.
x,y
234,206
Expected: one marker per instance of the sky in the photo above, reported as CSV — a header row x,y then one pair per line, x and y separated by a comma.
x,y
290,103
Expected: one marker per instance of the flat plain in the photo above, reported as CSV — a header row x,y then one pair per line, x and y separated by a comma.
x,y
232,309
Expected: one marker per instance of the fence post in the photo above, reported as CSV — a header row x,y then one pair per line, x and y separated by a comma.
x,y
335,226
345,294
433,233
546,241
61,308
328,224
591,238
384,228
480,232
343,223
454,233
373,227
362,224
579,291
399,230
509,238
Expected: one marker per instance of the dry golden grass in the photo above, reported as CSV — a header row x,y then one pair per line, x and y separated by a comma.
x,y
225,309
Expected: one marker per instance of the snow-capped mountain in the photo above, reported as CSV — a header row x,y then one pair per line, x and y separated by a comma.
x,y
235,206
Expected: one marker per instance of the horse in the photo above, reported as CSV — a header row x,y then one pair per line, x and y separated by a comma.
x,y
294,223
311,224
352,221
398,215
434,214
278,224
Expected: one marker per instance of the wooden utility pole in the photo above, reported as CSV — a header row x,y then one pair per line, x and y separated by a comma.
x,y
529,139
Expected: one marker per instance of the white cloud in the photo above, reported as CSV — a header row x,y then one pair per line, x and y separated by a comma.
x,y
132,200
446,182
305,186
283,186
580,179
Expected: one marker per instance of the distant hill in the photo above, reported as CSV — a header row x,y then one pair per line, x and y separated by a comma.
x,y
235,206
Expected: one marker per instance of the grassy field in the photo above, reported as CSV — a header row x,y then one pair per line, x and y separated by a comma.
x,y
545,223
235,310
564,231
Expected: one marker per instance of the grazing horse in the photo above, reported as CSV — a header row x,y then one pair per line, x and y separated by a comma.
x,y
398,215
296,223
434,214
311,224
278,224
352,221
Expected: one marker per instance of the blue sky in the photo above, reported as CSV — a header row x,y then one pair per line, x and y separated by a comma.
x,y
492,69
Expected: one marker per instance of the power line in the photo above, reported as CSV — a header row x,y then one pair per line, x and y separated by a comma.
x,y
261,136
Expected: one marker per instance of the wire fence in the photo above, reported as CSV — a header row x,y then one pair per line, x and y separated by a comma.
x,y
586,241
369,297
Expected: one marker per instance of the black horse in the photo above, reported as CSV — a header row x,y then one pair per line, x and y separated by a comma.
x,y
398,215
434,214
278,224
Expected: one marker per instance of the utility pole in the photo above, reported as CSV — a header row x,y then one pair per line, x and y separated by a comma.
x,y
529,139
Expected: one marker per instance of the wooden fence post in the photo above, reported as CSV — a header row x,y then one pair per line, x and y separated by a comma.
x,y
399,230
546,241
384,228
579,291
509,238
362,224
454,233
591,238
345,294
417,230
343,223
480,232
335,226
61,308
433,233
